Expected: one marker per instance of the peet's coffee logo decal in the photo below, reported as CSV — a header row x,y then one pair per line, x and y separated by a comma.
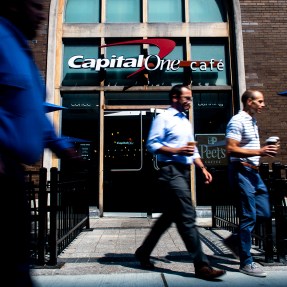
x,y
150,62
212,149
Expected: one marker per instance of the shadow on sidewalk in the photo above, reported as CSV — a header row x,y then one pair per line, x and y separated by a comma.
x,y
175,263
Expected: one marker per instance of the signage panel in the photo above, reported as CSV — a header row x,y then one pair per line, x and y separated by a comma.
x,y
212,149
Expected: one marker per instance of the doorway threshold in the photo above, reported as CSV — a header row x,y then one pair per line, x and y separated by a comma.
x,y
125,214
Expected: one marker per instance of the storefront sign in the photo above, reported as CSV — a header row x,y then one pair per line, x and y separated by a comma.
x,y
150,62
212,149
85,151
124,143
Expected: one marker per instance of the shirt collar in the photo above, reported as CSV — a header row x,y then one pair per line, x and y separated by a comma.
x,y
175,112
247,116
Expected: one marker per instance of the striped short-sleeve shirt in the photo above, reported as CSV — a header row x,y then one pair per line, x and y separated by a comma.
x,y
243,128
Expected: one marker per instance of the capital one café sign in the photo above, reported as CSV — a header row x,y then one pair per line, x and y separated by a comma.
x,y
150,62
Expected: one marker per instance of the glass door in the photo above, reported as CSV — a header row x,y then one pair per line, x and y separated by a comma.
x,y
130,172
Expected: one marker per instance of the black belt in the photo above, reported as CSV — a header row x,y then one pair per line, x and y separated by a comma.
x,y
255,167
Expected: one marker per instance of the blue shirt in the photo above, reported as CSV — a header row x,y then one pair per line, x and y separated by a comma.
x,y
24,128
243,128
171,128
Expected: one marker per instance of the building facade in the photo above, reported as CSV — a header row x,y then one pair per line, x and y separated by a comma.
x,y
111,63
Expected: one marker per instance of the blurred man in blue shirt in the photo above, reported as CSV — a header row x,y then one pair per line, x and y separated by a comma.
x,y
24,131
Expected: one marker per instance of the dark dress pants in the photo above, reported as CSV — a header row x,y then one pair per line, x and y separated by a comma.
x,y
177,208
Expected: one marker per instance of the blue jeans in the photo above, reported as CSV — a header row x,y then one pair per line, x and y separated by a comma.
x,y
252,202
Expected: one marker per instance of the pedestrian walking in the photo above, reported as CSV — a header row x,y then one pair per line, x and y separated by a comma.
x,y
169,136
252,199
24,133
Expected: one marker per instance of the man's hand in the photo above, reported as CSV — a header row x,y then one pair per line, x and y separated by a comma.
x,y
186,150
207,175
269,150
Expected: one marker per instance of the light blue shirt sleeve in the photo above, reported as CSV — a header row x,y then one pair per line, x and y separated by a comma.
x,y
171,129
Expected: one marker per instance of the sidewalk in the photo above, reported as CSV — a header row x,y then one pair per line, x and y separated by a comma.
x,y
104,256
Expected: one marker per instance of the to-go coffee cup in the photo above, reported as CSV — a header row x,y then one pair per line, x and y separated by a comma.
x,y
273,141
194,143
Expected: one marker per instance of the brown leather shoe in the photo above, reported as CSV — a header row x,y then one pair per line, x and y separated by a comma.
x,y
208,273
144,260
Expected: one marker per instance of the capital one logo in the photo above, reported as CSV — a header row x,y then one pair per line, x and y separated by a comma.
x,y
149,63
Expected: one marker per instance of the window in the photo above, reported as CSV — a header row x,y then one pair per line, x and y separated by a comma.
x,y
123,11
78,61
79,121
81,116
82,11
168,77
206,50
138,98
120,76
165,11
206,11
212,111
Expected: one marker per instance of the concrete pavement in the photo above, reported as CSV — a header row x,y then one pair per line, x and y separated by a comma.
x,y
104,256
234,279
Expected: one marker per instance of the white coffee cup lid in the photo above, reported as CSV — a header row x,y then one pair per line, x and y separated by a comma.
x,y
272,139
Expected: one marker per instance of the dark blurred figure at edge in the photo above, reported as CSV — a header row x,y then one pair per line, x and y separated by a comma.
x,y
24,132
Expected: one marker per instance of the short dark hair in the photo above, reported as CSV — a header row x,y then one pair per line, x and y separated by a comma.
x,y
176,91
248,94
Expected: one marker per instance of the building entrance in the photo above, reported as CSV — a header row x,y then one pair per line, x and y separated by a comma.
x,y
122,174
130,171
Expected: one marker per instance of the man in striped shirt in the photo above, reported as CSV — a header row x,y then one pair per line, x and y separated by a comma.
x,y
244,151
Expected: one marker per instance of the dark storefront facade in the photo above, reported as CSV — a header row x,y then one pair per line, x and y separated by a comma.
x,y
112,63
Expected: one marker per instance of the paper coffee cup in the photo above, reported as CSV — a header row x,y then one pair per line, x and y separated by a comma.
x,y
192,143
272,140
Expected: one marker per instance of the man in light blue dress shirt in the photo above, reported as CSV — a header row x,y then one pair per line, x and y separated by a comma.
x,y
168,139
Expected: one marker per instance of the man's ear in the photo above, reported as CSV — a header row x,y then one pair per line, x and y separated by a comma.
x,y
249,101
174,99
